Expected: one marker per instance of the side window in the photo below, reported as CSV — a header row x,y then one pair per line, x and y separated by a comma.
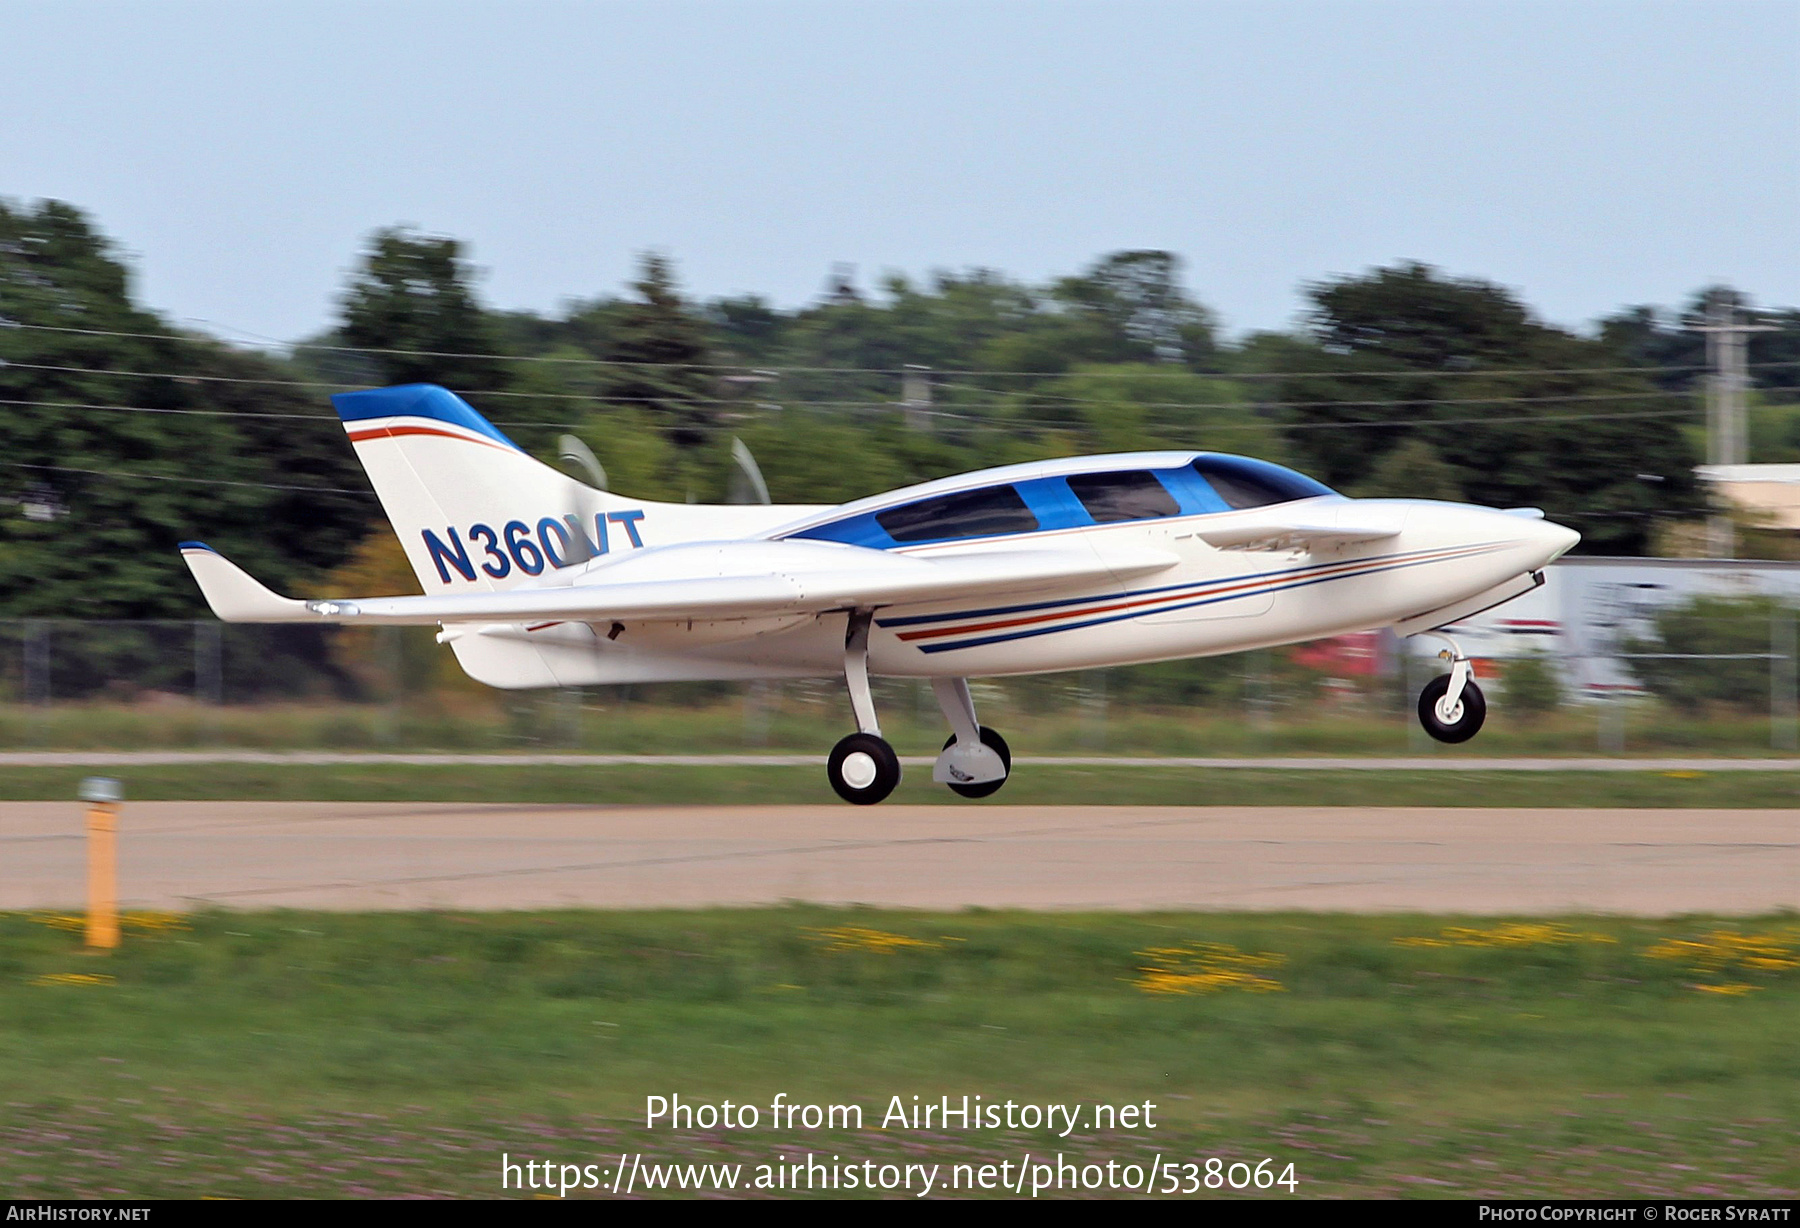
x,y
1112,497
970,513
1246,484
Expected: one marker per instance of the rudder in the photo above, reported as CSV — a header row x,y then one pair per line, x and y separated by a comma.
x,y
472,509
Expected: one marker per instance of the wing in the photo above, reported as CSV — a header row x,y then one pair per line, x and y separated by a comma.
x,y
699,580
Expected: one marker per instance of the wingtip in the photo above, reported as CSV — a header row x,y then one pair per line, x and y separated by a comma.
x,y
233,594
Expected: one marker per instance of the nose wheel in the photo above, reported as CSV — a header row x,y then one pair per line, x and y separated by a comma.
x,y
1451,722
1451,707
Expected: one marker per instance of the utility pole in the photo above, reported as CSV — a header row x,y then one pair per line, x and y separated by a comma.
x,y
915,397
1727,423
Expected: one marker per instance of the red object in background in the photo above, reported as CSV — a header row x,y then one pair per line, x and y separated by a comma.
x,y
1346,656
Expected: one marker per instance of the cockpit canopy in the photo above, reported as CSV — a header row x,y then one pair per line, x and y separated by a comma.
x,y
1209,483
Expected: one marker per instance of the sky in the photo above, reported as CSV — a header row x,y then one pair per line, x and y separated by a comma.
x,y
1588,155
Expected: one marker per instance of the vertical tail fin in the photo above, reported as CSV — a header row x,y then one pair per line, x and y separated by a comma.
x,y
475,511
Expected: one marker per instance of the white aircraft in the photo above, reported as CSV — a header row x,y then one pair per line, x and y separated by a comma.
x,y
538,580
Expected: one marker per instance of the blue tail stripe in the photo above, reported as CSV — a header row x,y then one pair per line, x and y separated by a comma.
x,y
415,401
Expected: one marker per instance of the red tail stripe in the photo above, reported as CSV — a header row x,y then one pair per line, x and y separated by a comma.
x,y
385,432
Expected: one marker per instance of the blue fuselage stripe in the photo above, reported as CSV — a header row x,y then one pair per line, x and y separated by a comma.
x,y
1257,592
914,620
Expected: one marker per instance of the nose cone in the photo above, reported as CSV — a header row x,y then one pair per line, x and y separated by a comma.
x,y
1517,541
1536,542
1555,539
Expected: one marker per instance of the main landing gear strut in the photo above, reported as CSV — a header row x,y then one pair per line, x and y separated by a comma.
x,y
863,768
1451,706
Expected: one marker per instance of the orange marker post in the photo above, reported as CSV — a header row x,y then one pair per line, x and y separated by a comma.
x,y
102,794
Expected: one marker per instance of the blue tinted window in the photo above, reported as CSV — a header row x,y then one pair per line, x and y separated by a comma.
x,y
1247,483
969,513
1132,495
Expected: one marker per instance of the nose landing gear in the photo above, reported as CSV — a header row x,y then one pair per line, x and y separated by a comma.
x,y
1451,707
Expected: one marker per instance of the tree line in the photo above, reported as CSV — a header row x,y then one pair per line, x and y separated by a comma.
x,y
126,434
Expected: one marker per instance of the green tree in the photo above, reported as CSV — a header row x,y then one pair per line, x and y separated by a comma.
x,y
1127,307
808,457
1412,470
1525,413
746,328
1532,684
843,351
126,437
947,324
1675,355
1137,297
1714,645
659,347
410,302
1413,317
1144,406
1774,431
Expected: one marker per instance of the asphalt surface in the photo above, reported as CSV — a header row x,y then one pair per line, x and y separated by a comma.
x,y
1294,763
360,855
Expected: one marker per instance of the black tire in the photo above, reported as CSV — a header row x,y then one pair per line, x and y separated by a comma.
x,y
1468,721
997,744
885,764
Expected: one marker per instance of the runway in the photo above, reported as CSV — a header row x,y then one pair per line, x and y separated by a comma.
x,y
349,855
1281,763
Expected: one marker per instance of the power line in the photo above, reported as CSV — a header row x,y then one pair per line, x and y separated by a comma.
x,y
1247,377
165,477
186,377
1533,419
1541,398
1203,428
157,477
1502,372
1279,427
152,409
883,406
1428,422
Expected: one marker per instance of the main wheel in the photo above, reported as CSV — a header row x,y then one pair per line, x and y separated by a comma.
x,y
1460,723
863,769
997,744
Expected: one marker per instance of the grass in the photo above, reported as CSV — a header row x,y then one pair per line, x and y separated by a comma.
x,y
290,1053
314,1054
1030,785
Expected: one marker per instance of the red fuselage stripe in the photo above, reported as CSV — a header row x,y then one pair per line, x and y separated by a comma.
x,y
1198,590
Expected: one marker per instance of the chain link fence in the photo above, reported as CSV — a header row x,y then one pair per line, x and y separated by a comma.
x,y
1710,672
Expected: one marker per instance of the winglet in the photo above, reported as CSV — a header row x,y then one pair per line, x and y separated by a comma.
x,y
236,597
